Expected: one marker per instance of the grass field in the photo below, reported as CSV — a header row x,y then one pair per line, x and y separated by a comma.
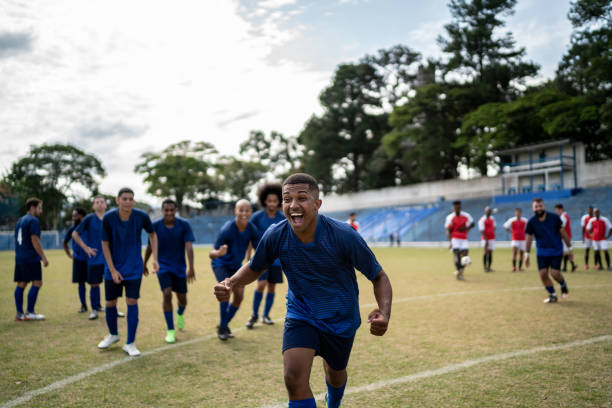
x,y
437,323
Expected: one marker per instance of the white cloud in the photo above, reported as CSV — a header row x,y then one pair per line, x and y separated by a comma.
x,y
271,4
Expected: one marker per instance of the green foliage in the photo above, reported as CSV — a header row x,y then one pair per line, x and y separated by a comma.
x,y
238,177
280,154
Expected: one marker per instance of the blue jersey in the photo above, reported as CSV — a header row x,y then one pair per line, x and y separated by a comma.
x,y
547,235
171,246
90,232
262,221
237,243
27,226
322,283
77,251
125,243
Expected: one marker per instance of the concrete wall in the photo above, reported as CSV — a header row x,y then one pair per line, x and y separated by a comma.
x,y
596,174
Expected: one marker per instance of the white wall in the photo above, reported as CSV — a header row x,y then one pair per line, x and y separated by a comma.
x,y
596,174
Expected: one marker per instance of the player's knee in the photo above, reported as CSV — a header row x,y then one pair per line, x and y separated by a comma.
x,y
271,287
182,299
167,295
111,303
131,301
295,380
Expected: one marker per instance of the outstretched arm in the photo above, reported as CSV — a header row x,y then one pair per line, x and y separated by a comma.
x,y
244,276
379,318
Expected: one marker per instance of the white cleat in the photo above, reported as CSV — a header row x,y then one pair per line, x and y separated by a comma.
x,y
34,316
131,350
93,315
108,341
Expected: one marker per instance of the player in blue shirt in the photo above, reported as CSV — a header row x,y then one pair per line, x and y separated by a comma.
x,y
548,230
28,254
270,195
174,238
227,254
78,256
122,247
318,256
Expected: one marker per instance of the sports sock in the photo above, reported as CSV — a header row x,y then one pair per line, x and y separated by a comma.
x,y
223,313
82,294
169,320
132,322
19,299
180,310
32,296
563,284
94,297
607,258
305,403
514,263
484,260
334,395
269,303
257,296
551,290
565,262
231,311
490,259
111,320
597,259
520,264
586,256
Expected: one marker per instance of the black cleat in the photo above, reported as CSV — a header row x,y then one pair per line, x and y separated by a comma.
x,y
228,332
221,333
551,299
574,267
564,292
251,322
83,309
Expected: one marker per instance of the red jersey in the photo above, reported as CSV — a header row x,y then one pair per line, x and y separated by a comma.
x,y
584,221
517,226
455,222
599,228
486,225
566,223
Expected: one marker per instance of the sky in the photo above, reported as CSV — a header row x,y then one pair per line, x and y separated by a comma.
x,y
120,78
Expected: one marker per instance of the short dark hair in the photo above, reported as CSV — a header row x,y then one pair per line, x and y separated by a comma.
x,y
352,213
98,196
590,207
267,189
32,202
457,202
80,211
537,200
302,178
125,190
559,206
518,209
169,201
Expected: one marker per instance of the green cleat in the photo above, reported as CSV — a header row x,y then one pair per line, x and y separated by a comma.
x,y
171,336
180,321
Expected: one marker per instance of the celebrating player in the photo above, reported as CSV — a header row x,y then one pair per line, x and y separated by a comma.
x,y
586,235
78,256
174,238
121,244
516,226
318,255
270,199
567,252
28,255
548,230
486,225
600,229
227,255
457,225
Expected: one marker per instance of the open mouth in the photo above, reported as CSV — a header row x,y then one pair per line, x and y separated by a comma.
x,y
297,218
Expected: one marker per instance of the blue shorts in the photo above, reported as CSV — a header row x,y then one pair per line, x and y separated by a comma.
x,y
79,270
335,350
170,280
274,274
114,290
223,272
95,274
554,262
28,272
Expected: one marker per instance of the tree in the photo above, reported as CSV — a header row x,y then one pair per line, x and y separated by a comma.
x,y
237,177
280,154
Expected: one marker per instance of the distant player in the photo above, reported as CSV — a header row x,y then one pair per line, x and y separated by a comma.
x,y
457,225
516,226
586,235
270,195
227,255
318,255
486,225
28,255
548,230
174,239
352,221
78,256
567,224
122,247
600,229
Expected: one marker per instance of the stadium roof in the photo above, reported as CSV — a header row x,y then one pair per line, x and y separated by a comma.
x,y
534,146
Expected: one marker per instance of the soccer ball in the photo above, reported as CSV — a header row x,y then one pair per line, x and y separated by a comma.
x,y
466,261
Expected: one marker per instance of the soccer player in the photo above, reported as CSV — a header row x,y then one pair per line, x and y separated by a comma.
x,y
270,195
227,254
586,235
548,230
318,255
78,256
567,224
352,221
600,229
516,226
486,225
174,238
28,255
122,247
457,225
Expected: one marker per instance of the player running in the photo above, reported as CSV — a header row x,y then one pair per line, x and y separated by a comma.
x,y
174,238
548,230
227,255
516,226
318,255
586,235
78,256
270,199
122,247
567,252
457,225
486,225
600,229
28,255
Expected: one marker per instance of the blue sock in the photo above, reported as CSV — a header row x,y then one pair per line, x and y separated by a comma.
x,y
94,297
32,295
257,296
132,322
231,311
562,283
169,320
19,299
551,290
334,395
82,294
223,313
269,303
111,320
305,403
181,310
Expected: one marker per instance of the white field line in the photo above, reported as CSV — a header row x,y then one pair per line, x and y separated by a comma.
x,y
459,366
95,370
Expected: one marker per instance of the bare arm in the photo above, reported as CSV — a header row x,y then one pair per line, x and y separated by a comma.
x,y
528,242
379,318
565,237
216,253
66,249
39,250
153,244
108,257
91,252
147,255
190,268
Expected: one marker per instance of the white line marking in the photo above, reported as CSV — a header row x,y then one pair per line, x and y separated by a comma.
x,y
95,370
459,366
